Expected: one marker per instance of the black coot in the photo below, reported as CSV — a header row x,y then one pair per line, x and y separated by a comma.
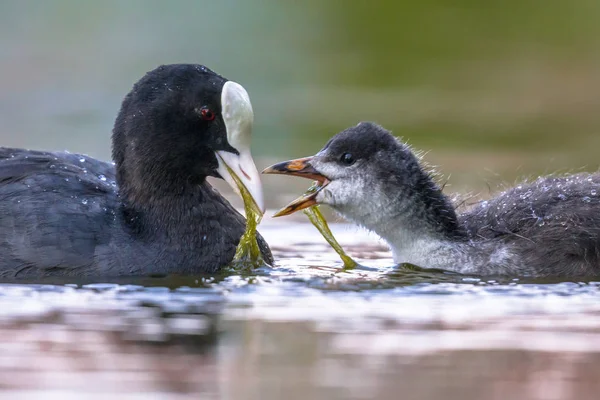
x,y
152,212
548,227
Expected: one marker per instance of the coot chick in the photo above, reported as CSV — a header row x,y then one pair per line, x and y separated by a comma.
x,y
546,228
152,212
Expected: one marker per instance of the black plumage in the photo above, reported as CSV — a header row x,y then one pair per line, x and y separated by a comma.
x,y
549,227
150,213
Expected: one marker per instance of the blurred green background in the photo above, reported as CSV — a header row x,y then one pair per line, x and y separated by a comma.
x,y
495,90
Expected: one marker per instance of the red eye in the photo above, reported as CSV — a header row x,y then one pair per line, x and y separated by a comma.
x,y
207,114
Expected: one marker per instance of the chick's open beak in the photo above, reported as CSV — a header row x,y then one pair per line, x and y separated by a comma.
x,y
299,167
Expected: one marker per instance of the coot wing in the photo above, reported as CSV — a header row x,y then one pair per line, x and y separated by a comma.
x,y
55,210
554,222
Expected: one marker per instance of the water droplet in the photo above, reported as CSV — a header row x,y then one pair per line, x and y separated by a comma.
x,y
66,179
52,166
102,177
593,192
82,159
204,237
525,195
586,199
84,201
562,196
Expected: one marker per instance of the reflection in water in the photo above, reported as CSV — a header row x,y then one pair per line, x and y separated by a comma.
x,y
304,329
429,342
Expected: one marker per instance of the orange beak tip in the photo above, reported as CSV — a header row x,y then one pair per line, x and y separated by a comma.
x,y
281,213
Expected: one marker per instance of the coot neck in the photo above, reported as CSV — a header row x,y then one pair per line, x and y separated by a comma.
x,y
418,221
418,206
148,186
178,212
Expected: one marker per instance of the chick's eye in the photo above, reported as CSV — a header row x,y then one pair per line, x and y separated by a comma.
x,y
207,114
347,159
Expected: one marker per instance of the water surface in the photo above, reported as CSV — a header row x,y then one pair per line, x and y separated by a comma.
x,y
304,329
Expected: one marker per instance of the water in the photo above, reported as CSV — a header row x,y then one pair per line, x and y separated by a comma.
x,y
304,329
496,91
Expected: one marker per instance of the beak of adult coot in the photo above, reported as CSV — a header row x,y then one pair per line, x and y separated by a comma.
x,y
239,170
303,168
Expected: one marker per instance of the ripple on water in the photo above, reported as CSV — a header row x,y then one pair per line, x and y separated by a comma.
x,y
308,284
306,313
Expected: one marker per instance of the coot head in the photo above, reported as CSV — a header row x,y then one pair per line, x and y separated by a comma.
x,y
369,176
353,166
180,124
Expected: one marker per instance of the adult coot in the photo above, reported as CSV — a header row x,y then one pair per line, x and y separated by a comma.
x,y
548,227
152,212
